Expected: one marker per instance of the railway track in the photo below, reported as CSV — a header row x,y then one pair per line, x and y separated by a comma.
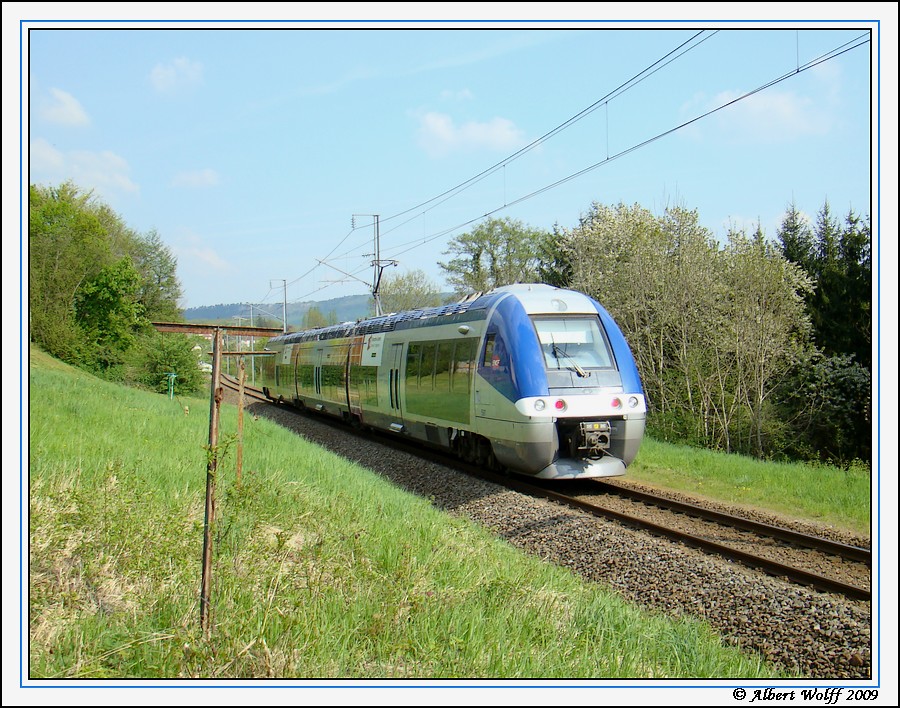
x,y
729,536
824,545
721,534
233,384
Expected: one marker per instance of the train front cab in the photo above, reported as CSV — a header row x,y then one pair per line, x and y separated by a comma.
x,y
557,391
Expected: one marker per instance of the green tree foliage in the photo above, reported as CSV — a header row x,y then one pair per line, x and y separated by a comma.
x,y
855,251
314,318
108,313
826,404
496,252
834,376
94,283
769,326
796,238
839,262
159,290
159,354
554,267
408,291
714,330
67,246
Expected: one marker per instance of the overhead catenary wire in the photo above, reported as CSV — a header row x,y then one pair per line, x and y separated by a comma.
x,y
848,46
645,73
671,56
448,194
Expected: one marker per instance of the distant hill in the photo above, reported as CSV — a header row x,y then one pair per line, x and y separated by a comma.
x,y
345,309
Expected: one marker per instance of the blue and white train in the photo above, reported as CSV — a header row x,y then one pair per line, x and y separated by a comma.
x,y
531,379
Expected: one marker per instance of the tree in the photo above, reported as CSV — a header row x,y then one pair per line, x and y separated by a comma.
x,y
107,311
827,400
554,265
408,291
855,249
768,323
826,308
712,329
313,318
93,281
826,404
66,247
162,353
839,262
796,238
159,290
496,252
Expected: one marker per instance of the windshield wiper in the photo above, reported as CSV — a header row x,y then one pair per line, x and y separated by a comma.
x,y
557,352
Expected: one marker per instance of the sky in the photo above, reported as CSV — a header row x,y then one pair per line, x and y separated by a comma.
x,y
254,150
260,150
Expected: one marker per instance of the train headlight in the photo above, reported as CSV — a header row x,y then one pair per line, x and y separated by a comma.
x,y
560,405
633,402
539,404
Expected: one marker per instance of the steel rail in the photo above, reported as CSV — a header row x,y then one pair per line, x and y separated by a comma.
x,y
778,569
854,553
249,391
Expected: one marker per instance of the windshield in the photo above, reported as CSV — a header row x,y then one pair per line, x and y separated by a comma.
x,y
575,343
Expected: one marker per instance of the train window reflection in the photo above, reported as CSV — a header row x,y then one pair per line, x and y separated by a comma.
x,y
573,342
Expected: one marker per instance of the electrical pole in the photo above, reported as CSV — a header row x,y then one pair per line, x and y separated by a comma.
x,y
283,306
376,280
252,348
377,263
240,342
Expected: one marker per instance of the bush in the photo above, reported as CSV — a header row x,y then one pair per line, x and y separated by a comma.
x,y
828,401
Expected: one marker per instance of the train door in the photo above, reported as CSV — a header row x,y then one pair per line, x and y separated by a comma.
x,y
304,372
395,360
354,380
318,361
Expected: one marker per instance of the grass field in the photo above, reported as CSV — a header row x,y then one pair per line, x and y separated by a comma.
x,y
817,493
321,568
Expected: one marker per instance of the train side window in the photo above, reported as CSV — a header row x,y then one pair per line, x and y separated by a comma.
x,y
489,342
426,373
442,366
413,367
463,363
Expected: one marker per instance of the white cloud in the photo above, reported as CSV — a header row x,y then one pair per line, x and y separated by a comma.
x,y
439,135
181,72
206,257
201,268
104,171
767,117
43,157
196,179
64,109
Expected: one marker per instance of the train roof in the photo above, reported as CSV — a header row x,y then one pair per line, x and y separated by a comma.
x,y
468,309
534,297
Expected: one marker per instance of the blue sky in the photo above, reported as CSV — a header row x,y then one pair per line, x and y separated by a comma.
x,y
250,148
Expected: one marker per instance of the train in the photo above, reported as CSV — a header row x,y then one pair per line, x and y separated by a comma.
x,y
527,379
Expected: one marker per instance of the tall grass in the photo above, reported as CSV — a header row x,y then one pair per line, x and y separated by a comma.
x,y
321,568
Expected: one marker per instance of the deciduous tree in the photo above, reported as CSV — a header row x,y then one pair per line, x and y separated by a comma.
x,y
496,252
408,291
